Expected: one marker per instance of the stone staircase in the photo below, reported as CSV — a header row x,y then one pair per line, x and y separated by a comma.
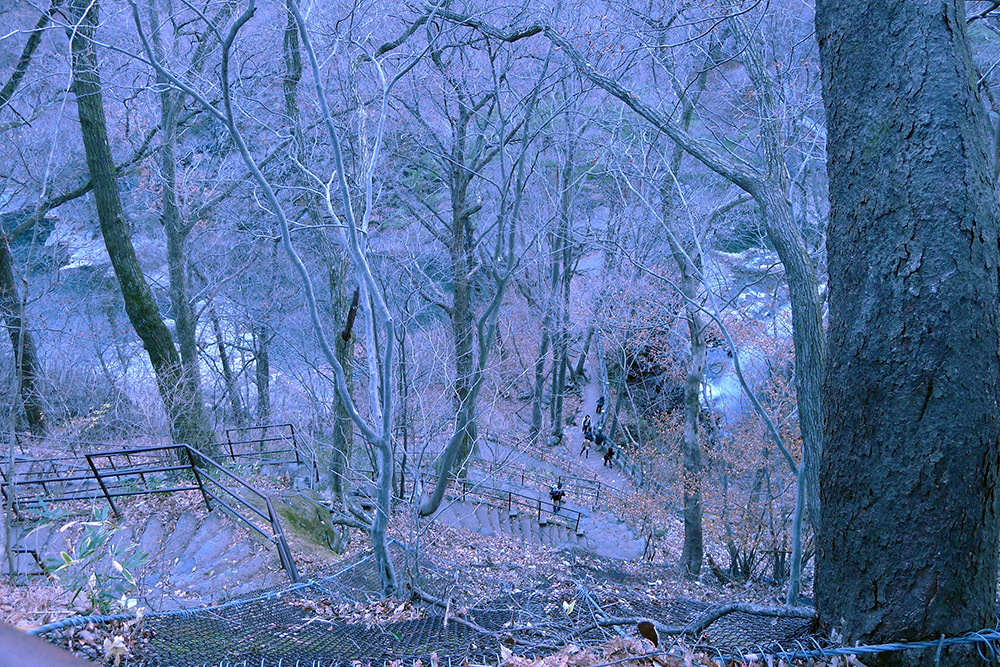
x,y
193,560
598,535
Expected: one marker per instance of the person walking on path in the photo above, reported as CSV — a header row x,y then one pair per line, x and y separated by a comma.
x,y
600,405
599,438
557,494
586,425
609,456
588,438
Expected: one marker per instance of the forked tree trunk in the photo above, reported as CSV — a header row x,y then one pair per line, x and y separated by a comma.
x,y
343,310
909,470
228,377
27,365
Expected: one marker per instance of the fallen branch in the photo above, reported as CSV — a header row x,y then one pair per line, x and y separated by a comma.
x,y
712,614
715,613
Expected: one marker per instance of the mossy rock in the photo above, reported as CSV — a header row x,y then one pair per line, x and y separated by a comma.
x,y
304,520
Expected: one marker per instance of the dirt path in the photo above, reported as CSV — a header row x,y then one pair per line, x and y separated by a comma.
x,y
574,435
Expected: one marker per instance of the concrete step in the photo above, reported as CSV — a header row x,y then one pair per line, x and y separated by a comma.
x,y
482,514
493,513
151,539
262,577
514,526
525,523
211,549
206,532
184,529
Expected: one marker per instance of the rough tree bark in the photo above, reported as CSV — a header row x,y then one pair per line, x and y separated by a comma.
x,y
345,312
460,253
538,389
185,424
909,470
262,371
25,353
177,230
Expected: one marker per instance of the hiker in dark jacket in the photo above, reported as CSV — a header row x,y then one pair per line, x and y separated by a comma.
x,y
608,456
557,494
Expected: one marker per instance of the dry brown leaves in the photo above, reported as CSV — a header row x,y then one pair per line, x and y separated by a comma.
x,y
109,643
626,650
634,652
369,614
41,601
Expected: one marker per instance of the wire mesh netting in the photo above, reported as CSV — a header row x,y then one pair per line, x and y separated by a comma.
x,y
289,626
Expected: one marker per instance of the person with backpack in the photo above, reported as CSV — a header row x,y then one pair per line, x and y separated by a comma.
x,y
557,494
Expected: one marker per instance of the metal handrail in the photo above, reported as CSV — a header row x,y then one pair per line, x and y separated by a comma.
x,y
528,502
110,486
284,553
517,472
303,452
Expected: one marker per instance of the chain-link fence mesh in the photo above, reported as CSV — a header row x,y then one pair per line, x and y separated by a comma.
x,y
288,626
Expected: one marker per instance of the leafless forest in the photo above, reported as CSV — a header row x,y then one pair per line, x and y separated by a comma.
x,y
435,237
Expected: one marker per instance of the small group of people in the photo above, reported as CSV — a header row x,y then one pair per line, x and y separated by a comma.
x,y
596,437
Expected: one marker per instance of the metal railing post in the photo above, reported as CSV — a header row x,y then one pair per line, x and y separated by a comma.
x,y
197,476
295,444
100,481
284,554
229,441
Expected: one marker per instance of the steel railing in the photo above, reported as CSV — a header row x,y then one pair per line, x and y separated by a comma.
x,y
252,442
542,509
135,471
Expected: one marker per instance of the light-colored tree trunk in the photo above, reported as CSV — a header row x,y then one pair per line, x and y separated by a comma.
x,y
228,377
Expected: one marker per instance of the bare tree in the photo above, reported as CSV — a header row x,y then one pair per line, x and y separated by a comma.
x,y
183,406
767,183
499,263
379,324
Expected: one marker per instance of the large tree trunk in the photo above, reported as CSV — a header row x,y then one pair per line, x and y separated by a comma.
x,y
262,372
176,233
187,422
693,551
909,509
345,310
462,325
689,264
27,365
538,391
